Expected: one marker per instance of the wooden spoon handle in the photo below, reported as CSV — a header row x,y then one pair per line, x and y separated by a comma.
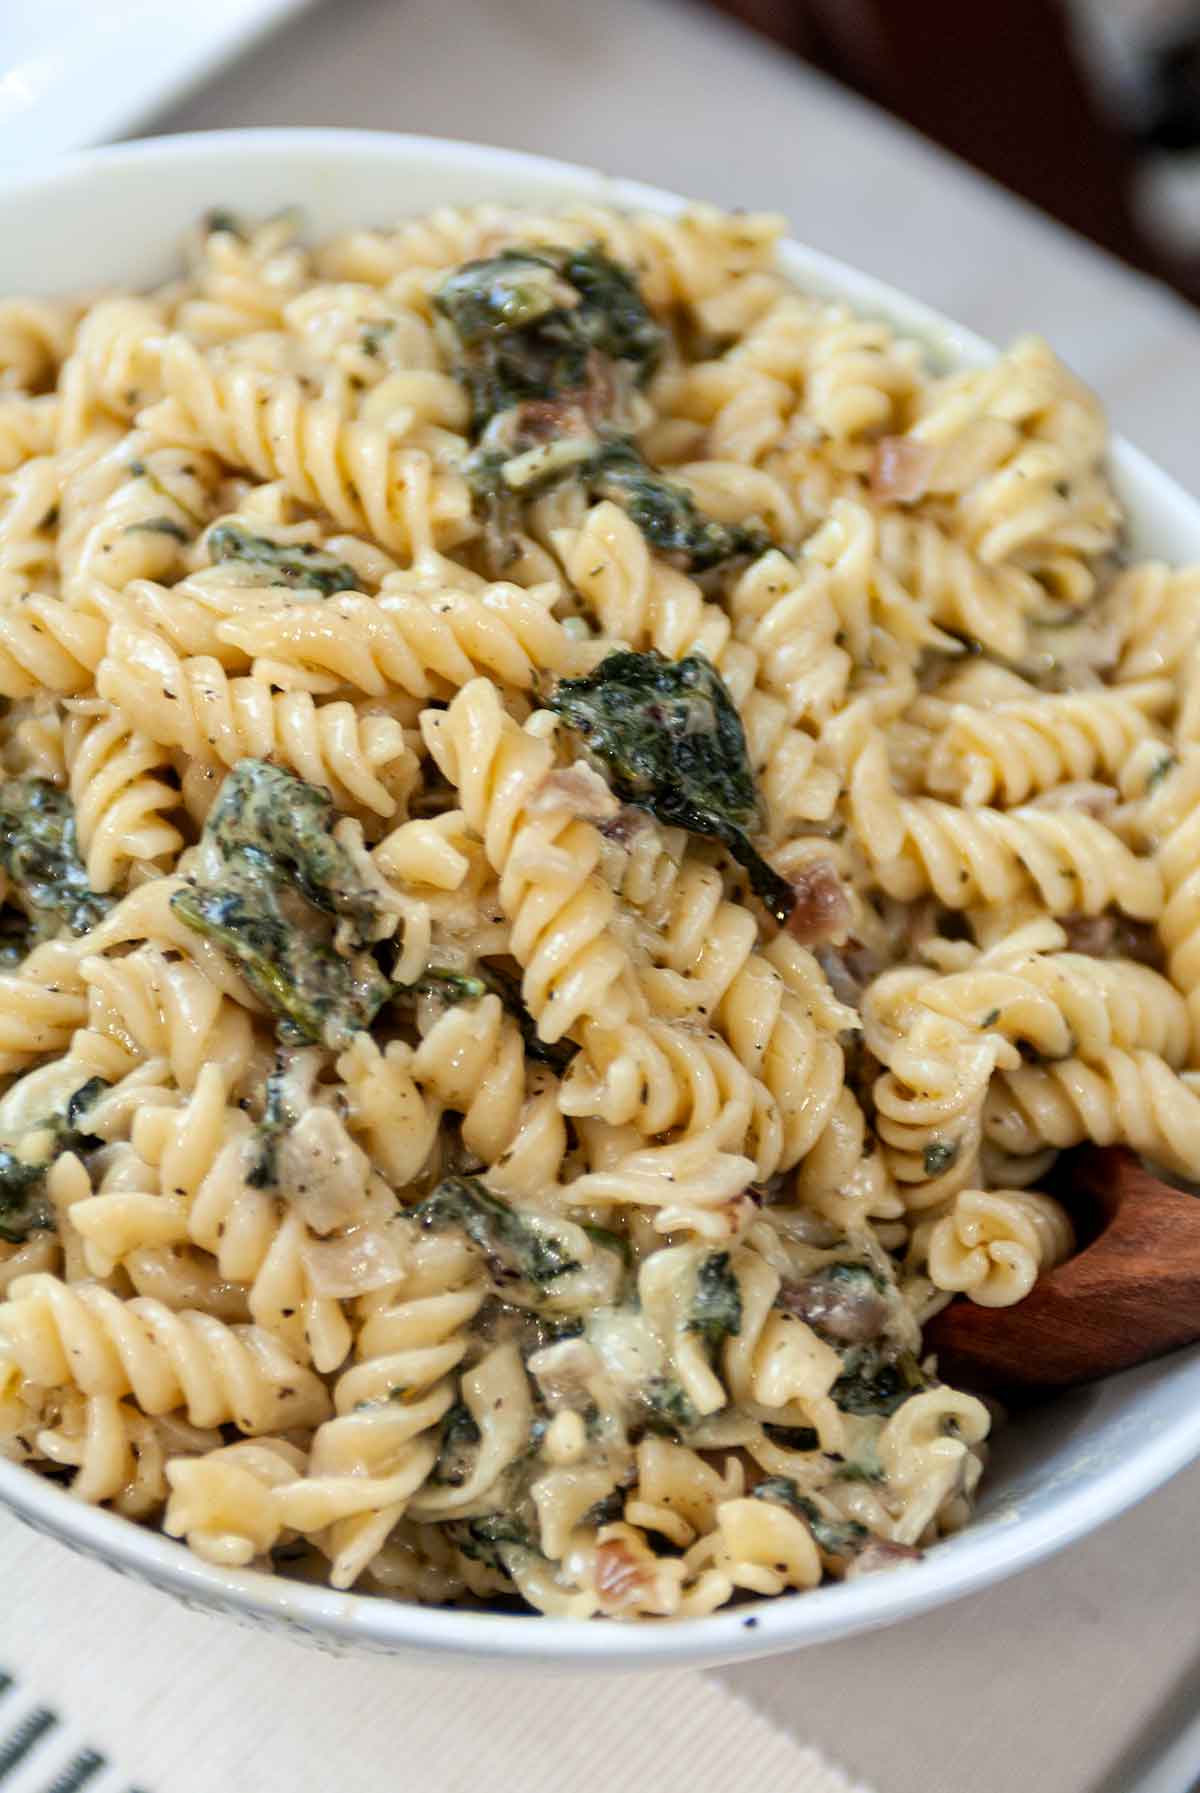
x,y
1130,1295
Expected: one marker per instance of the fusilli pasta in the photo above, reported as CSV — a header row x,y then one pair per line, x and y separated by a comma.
x,y
578,828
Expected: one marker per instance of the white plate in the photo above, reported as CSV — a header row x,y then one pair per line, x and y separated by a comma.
x,y
115,216
75,72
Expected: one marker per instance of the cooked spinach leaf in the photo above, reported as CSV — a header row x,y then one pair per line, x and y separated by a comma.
x,y
1162,766
276,1119
272,835
449,987
874,1381
456,1452
492,1539
612,312
835,1538
549,341
488,980
40,853
666,513
514,1246
938,1156
672,742
528,322
665,1408
295,564
24,1207
494,297
317,994
716,1310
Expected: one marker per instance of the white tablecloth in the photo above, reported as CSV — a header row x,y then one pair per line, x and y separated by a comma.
x,y
1057,1681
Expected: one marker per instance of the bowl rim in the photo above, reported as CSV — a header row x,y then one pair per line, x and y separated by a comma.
x,y
959,1566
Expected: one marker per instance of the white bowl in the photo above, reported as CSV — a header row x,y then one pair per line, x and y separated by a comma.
x,y
115,216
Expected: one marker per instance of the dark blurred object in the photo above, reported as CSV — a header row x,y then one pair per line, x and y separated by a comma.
x,y
1174,83
1005,87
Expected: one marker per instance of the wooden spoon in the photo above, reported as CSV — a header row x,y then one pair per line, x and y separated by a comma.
x,y
1131,1293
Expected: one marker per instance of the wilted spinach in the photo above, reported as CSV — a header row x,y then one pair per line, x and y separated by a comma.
x,y
40,853
316,994
295,564
456,1452
513,1245
277,1118
666,513
938,1156
662,1406
672,742
716,1310
874,1381
492,1539
836,1538
24,1207
528,320
549,343
272,834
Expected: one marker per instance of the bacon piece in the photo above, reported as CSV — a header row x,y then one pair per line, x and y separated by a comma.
x,y
901,469
822,908
850,1309
1110,936
881,1553
619,1575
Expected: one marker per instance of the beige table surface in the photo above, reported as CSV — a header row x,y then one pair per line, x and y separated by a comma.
x,y
1057,1681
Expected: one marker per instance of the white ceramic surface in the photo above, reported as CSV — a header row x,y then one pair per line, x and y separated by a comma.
x,y
73,72
113,216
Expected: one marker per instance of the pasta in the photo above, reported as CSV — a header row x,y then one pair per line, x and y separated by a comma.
x,y
1020,749
992,1244
987,856
578,829
165,1360
193,705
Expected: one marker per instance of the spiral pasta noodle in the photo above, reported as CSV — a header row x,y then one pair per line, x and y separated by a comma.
x,y
993,1244
45,645
192,704
1016,750
498,771
28,427
121,809
355,472
405,644
1123,1098
87,1338
991,856
1171,787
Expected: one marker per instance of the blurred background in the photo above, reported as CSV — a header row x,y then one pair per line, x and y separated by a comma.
x,y
1089,108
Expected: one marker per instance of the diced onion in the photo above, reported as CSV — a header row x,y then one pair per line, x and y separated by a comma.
x,y
353,1263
